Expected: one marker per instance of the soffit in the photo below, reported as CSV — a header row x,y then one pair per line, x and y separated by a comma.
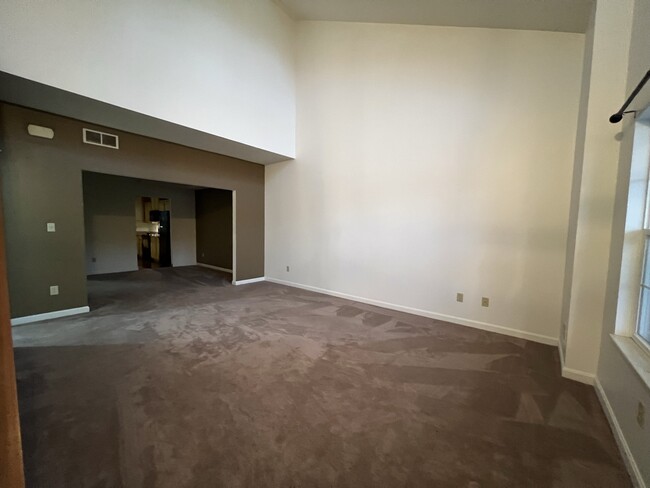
x,y
545,15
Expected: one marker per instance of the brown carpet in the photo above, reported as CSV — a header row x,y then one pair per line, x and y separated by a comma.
x,y
177,379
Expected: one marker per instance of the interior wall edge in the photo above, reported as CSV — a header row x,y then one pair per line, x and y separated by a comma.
x,y
574,374
577,375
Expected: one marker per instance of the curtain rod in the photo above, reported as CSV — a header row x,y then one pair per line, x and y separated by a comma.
x,y
618,116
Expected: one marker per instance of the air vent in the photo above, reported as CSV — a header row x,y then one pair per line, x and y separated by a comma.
x,y
101,138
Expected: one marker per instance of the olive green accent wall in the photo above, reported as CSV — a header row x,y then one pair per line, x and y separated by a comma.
x,y
42,182
214,227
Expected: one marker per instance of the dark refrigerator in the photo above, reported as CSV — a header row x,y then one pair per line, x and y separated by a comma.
x,y
164,236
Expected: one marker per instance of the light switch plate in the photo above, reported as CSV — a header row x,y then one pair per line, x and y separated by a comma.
x,y
51,227
54,290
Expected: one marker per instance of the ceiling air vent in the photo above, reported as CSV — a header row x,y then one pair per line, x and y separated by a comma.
x,y
100,138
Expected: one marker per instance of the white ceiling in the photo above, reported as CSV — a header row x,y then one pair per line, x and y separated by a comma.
x,y
547,15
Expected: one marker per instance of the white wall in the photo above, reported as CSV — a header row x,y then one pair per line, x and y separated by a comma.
x,y
109,220
597,154
576,180
620,383
430,161
220,66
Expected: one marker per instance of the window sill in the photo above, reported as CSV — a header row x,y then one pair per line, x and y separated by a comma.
x,y
638,358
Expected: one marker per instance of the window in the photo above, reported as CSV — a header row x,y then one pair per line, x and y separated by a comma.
x,y
642,153
632,325
643,322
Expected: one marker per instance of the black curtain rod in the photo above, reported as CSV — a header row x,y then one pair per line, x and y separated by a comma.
x,y
614,119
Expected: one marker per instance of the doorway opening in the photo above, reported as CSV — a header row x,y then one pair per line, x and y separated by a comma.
x,y
176,225
153,232
215,234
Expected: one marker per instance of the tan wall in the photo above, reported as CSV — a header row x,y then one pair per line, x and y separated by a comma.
x,y
214,227
42,182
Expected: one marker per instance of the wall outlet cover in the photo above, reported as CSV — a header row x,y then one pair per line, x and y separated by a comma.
x,y
51,227
54,290
459,297
485,302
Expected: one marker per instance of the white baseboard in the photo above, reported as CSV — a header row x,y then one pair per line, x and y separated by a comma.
x,y
49,315
626,453
217,268
248,282
500,329
575,374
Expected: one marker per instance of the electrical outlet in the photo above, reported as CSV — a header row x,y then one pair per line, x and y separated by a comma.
x,y
640,415
94,260
459,297
51,227
288,269
485,302
54,290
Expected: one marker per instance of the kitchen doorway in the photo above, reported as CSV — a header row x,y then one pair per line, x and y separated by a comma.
x,y
153,232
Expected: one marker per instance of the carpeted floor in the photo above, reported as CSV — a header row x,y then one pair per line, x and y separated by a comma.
x,y
178,379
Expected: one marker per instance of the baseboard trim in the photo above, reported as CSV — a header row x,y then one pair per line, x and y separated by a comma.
x,y
49,315
248,282
575,374
500,329
624,448
217,268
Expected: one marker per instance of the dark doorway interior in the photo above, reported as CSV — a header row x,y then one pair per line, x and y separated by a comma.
x,y
214,228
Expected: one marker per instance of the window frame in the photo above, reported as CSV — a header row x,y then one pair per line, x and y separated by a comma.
x,y
641,341
636,244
